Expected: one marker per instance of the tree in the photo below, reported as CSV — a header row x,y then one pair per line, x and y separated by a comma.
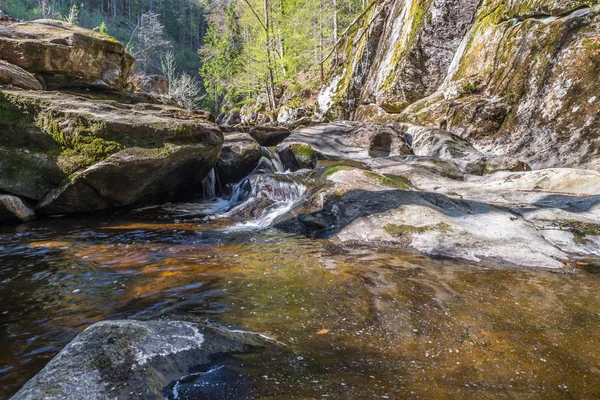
x,y
148,43
221,58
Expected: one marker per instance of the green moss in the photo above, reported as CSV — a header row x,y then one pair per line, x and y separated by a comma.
x,y
579,229
303,153
333,170
394,181
401,230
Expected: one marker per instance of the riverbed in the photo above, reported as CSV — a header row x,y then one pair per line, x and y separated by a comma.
x,y
353,323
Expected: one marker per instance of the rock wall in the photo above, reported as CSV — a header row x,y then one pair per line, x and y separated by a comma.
x,y
514,77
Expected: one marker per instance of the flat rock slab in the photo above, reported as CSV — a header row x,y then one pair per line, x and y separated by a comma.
x,y
545,219
133,359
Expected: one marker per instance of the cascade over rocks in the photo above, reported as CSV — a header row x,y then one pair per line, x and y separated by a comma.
x,y
65,56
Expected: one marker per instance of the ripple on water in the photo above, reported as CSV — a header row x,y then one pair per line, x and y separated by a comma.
x,y
356,323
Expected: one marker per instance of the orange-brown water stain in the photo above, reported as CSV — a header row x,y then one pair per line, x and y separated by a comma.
x,y
402,324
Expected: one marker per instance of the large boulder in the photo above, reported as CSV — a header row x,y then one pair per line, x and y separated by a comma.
x,y
12,75
13,209
88,152
133,359
269,135
64,55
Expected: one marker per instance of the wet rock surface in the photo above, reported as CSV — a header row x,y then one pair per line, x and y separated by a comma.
x,y
447,199
239,155
134,359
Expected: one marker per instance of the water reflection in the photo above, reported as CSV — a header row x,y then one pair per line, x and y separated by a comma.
x,y
357,323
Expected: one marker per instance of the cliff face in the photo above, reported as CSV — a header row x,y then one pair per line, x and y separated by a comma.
x,y
514,77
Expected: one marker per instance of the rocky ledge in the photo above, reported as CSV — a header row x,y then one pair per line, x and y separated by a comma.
x,y
87,151
427,191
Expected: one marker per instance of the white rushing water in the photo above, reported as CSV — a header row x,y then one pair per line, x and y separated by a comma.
x,y
209,186
268,189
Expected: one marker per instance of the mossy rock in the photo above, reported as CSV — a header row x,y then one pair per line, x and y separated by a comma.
x,y
49,136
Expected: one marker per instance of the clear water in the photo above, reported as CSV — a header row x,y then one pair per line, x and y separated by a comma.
x,y
356,323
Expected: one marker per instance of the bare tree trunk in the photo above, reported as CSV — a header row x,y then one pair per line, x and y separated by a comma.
x,y
335,20
269,57
321,39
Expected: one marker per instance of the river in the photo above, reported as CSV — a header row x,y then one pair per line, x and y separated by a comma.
x,y
355,323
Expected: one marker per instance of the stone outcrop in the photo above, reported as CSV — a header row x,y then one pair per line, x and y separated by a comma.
x,y
269,136
88,151
363,141
65,56
132,359
427,191
515,78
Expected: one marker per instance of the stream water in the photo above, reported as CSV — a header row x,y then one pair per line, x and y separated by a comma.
x,y
356,323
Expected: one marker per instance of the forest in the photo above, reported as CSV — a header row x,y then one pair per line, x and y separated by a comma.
x,y
235,50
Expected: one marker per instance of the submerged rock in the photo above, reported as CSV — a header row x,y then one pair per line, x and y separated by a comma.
x,y
13,209
65,55
90,151
133,359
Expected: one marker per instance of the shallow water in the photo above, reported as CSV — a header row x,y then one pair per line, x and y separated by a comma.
x,y
356,323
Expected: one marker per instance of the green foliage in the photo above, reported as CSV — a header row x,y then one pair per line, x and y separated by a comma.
x,y
239,63
221,61
184,20
102,28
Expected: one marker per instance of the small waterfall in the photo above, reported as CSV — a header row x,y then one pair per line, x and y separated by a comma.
x,y
209,186
271,157
265,197
268,163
